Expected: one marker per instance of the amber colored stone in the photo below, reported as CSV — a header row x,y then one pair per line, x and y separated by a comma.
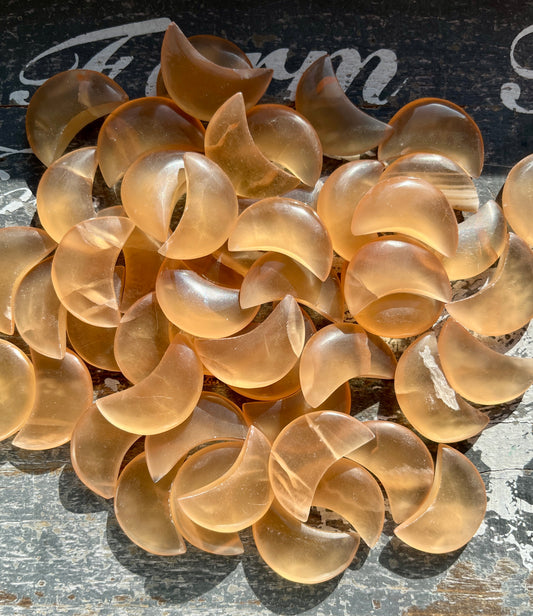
x,y
410,206
401,462
141,338
213,418
220,51
141,125
506,303
97,449
453,510
39,315
436,126
337,200
275,275
226,500
400,315
299,552
516,199
63,391
63,105
198,306
287,139
161,400
432,407
64,194
229,143
259,357
440,171
17,384
389,265
344,130
83,269
93,344
286,226
482,239
478,373
21,249
304,450
272,416
339,352
349,490
189,72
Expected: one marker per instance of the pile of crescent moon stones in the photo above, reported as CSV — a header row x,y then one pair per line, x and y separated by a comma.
x,y
229,257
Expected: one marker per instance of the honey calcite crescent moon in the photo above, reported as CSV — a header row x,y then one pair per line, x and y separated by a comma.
x,y
21,249
478,373
97,449
39,315
387,266
143,510
63,105
83,269
339,352
344,130
275,275
516,199
141,125
229,143
259,357
441,171
64,390
304,450
437,126
188,75
299,552
401,462
349,490
213,418
287,226
510,286
338,198
197,305
482,239
410,206
232,500
453,510
432,407
93,344
64,194
17,384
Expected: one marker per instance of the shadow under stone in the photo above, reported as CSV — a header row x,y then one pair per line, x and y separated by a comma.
x,y
35,462
76,497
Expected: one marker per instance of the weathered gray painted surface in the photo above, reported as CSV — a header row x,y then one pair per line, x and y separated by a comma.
x,y
61,550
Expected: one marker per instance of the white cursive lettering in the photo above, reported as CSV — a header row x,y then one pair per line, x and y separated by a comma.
x,y
510,92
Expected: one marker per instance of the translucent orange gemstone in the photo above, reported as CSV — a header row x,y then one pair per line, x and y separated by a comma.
x,y
516,199
92,343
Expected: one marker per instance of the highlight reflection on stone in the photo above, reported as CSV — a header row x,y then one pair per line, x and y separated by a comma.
x,y
163,399
344,130
262,356
478,373
64,193
299,552
436,126
83,269
410,206
454,509
17,384
190,70
340,352
63,105
304,450
337,200
516,199
286,226
511,286
401,462
432,407
213,418
141,125
97,450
